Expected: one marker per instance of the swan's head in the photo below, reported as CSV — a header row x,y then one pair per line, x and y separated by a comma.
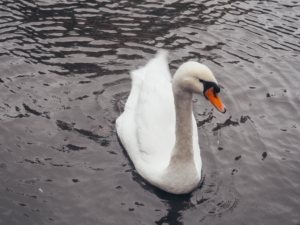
x,y
198,78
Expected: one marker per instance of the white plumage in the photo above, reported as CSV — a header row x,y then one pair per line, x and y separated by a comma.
x,y
160,134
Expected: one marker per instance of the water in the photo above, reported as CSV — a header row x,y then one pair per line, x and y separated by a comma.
x,y
64,78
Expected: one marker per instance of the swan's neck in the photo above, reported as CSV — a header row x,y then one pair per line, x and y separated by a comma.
x,y
183,149
181,173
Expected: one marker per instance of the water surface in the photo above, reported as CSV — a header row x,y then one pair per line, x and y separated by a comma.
x,y
64,78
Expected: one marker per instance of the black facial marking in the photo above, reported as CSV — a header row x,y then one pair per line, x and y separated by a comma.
x,y
208,84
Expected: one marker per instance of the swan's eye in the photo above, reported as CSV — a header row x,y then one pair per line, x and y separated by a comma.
x,y
201,80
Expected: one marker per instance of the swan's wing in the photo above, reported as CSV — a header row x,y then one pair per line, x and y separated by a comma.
x,y
147,126
155,119
159,64
126,123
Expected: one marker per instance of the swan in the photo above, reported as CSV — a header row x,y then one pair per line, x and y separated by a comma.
x,y
158,128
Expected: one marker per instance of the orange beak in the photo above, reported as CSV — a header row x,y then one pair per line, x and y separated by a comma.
x,y
215,100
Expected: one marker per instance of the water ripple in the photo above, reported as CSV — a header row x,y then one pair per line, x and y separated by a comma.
x,y
65,79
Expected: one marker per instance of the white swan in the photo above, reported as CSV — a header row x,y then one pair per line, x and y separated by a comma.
x,y
158,128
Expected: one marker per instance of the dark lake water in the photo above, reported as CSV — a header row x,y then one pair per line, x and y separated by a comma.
x,y
64,78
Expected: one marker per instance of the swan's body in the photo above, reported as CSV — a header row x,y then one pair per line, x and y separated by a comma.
x,y
158,128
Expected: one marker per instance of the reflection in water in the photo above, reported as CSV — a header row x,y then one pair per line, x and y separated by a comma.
x,y
64,78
